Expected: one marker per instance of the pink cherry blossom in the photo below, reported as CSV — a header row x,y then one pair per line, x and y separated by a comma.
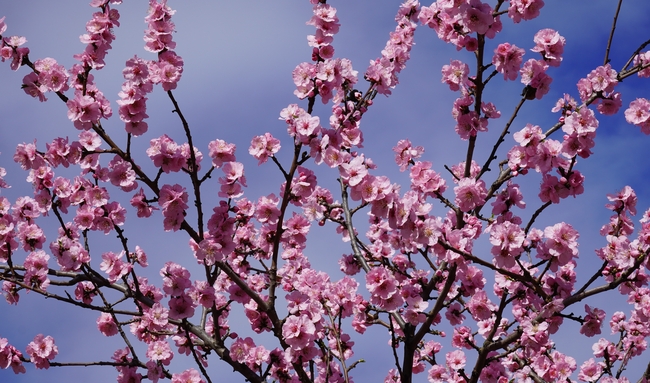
x,y
603,79
187,376
533,75
36,270
507,60
84,111
114,266
550,45
590,371
524,9
220,152
638,113
455,75
470,193
298,331
561,244
477,17
107,325
508,241
592,321
456,359
41,350
85,291
175,279
263,147
383,71
160,351
10,356
181,307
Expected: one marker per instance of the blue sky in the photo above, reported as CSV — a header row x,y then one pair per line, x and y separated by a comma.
x,y
238,62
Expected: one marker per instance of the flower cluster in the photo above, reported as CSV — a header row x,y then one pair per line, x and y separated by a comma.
x,y
233,180
176,280
41,350
383,71
560,245
642,60
158,39
524,9
601,82
300,124
252,252
535,151
533,75
121,174
158,36
7,232
173,202
328,77
550,45
638,113
48,76
327,25
264,146
99,35
10,47
456,21
405,154
114,266
507,60
470,193
133,98
171,157
36,268
89,104
11,357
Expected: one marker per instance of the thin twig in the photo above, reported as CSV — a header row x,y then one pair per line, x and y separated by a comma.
x,y
611,33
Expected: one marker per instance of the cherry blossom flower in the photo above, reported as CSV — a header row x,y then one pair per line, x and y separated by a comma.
x,y
533,75
383,71
9,355
114,266
298,331
41,350
638,114
470,193
221,152
507,60
456,75
106,325
592,321
524,9
160,351
263,147
187,376
456,359
550,45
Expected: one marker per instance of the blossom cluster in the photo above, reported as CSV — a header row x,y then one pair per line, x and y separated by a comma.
x,y
89,105
383,71
171,157
11,357
11,47
456,21
328,77
419,265
638,114
140,75
133,98
99,34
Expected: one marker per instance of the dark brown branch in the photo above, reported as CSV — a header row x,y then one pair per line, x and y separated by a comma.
x,y
611,33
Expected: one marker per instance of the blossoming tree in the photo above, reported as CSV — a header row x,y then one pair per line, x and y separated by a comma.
x,y
419,271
